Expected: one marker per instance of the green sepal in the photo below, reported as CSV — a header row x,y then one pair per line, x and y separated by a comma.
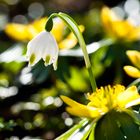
x,y
117,126
49,25
134,114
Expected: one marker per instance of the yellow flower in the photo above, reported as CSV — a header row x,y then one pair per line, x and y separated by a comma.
x,y
118,28
27,32
134,57
23,32
104,100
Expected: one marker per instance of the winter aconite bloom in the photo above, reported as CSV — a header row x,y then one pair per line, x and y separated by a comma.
x,y
43,46
118,28
104,100
134,57
26,32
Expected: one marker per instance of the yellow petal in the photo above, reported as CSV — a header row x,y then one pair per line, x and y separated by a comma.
x,y
135,34
132,71
108,17
133,103
81,110
134,57
84,111
70,41
117,27
57,30
68,101
32,32
36,27
39,24
122,29
17,31
129,95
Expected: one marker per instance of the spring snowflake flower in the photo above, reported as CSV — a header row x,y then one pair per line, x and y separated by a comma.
x,y
104,100
43,46
134,57
118,28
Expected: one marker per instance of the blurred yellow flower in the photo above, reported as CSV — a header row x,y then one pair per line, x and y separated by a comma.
x,y
118,28
27,32
134,57
104,100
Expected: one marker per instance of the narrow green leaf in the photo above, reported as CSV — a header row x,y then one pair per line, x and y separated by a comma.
x,y
87,133
67,134
91,136
135,82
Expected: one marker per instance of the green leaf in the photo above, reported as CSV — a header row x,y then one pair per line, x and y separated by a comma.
x,y
87,132
107,129
134,114
128,127
117,126
13,67
77,79
98,62
67,134
91,136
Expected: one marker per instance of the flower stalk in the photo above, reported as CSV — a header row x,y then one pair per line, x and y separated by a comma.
x,y
74,28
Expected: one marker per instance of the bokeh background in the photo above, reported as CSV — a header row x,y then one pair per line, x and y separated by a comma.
x,y
30,106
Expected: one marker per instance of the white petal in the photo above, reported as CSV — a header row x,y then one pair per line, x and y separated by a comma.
x,y
55,65
36,47
51,50
43,46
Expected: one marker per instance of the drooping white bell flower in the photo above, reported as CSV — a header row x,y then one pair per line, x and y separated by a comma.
x,y
43,46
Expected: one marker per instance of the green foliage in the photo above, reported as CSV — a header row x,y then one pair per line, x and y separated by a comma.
x,y
7,125
116,126
80,130
78,79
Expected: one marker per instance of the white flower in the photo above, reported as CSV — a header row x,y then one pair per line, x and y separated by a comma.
x,y
43,46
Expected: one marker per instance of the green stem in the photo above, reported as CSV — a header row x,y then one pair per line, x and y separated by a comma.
x,y
75,29
136,82
92,79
